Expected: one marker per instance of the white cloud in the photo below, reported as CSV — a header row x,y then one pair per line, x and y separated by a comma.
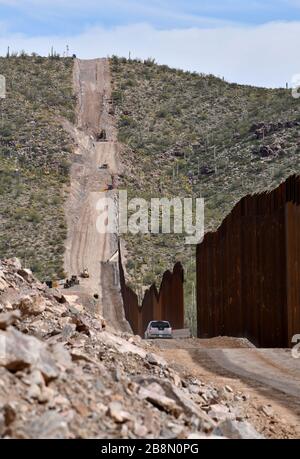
x,y
263,55
177,12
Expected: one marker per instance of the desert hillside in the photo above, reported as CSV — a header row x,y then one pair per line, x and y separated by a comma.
x,y
35,155
180,134
70,365
186,134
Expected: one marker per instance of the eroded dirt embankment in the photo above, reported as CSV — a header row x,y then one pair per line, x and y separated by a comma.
x,y
85,246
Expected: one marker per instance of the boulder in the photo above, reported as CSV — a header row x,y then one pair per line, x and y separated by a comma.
x,y
220,413
267,410
31,305
117,413
60,298
51,425
155,359
163,391
82,325
8,318
237,430
61,355
160,401
22,351
3,284
14,263
26,274
10,412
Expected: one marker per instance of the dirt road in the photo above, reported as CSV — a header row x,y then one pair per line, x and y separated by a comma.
x,y
85,246
270,377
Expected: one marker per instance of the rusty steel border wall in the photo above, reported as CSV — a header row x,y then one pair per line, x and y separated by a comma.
x,y
167,304
248,271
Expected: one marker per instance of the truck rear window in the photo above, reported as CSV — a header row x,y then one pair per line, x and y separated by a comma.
x,y
160,325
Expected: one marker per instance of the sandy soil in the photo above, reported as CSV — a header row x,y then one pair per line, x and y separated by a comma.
x,y
270,377
85,246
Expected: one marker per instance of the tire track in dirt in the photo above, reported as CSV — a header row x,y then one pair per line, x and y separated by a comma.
x,y
85,246
269,376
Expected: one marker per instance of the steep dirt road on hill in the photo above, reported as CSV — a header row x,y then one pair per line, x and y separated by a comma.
x,y
270,377
85,246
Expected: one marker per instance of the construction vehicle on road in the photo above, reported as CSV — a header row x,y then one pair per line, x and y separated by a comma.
x,y
85,274
71,282
52,283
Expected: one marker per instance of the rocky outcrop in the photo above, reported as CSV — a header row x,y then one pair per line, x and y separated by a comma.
x,y
269,151
64,375
261,130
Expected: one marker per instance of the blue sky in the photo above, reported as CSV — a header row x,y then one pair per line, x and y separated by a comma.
x,y
62,17
225,37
